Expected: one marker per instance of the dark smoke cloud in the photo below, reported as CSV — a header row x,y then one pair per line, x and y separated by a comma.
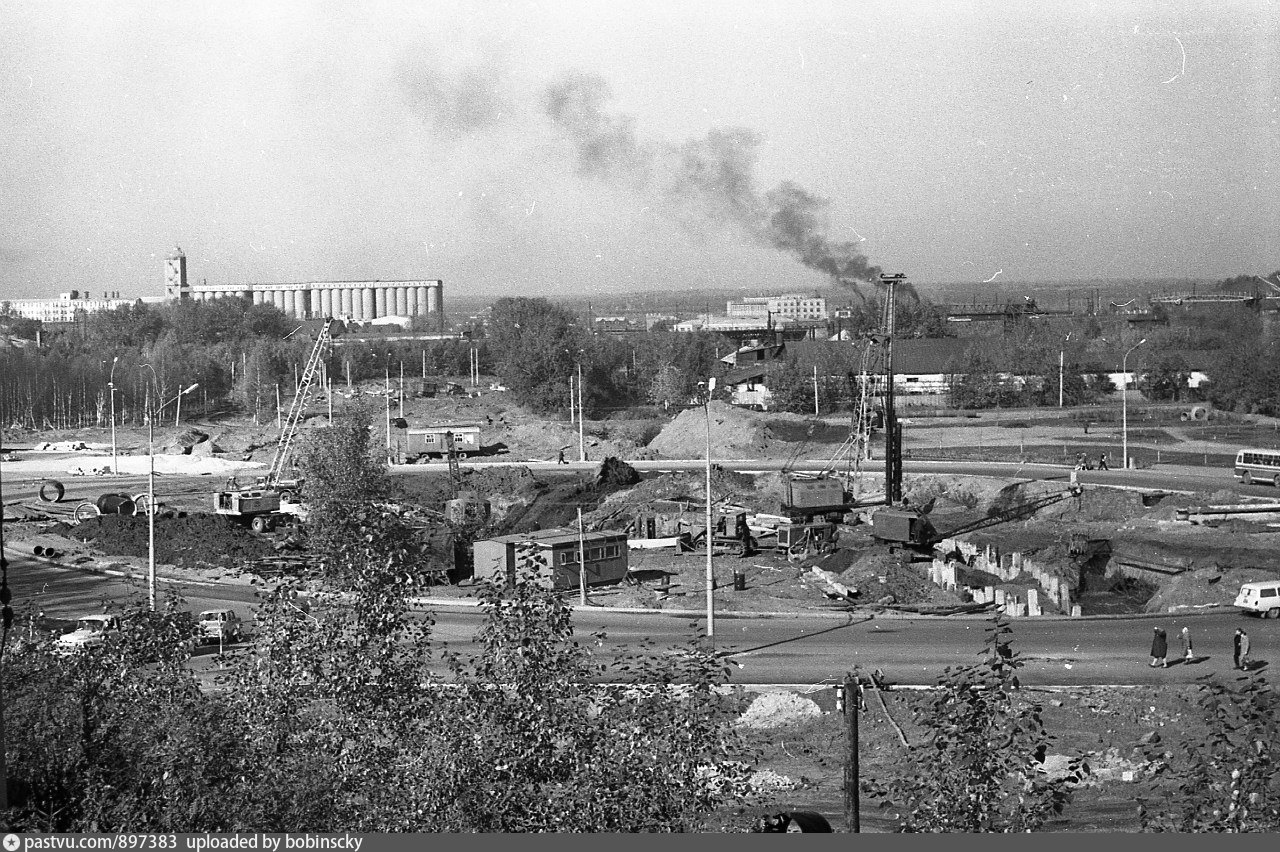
x,y
712,176
453,107
606,146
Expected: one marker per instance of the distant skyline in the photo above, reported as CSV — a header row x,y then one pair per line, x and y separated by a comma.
x,y
569,148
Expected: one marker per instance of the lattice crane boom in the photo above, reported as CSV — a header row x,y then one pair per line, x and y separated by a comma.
x,y
299,406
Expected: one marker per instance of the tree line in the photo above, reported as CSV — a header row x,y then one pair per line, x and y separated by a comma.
x,y
248,354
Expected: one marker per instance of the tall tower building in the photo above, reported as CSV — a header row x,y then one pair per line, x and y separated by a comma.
x,y
175,276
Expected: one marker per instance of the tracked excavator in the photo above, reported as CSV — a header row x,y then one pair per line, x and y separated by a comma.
x,y
909,526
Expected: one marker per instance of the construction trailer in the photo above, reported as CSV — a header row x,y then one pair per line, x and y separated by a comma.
x,y
556,552
431,442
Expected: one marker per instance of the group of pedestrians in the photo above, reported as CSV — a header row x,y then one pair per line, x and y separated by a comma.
x,y
1083,463
1160,648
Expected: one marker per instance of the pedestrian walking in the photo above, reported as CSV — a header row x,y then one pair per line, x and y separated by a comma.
x,y
1102,462
1187,653
1159,649
561,459
1241,646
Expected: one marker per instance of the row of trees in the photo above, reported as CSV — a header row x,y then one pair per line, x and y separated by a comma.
x,y
237,350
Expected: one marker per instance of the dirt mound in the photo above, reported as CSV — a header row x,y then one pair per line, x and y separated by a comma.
x,y
1205,587
778,710
188,542
735,433
615,474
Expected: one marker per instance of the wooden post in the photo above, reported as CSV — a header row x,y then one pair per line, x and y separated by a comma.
x,y
582,563
851,797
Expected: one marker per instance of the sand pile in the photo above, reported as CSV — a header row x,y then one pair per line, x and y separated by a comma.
x,y
778,710
735,434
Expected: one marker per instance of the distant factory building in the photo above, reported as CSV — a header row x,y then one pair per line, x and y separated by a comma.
x,y
360,301
65,307
710,323
790,306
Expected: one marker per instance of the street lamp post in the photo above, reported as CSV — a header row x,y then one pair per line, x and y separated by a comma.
x,y
151,481
1062,354
1124,405
111,386
582,447
711,580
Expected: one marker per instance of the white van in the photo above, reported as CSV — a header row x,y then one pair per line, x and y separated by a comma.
x,y
1262,598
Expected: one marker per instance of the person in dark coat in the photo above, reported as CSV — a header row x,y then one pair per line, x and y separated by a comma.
x,y
1159,649
1240,643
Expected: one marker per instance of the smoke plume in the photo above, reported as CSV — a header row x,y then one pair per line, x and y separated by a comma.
x,y
453,107
713,177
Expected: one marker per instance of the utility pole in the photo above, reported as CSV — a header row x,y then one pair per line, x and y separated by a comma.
x,y
815,390
6,621
401,390
892,433
582,562
711,578
582,447
852,799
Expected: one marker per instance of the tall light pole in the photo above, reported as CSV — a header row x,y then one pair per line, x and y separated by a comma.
x,y
1124,405
1062,354
582,447
6,621
710,385
111,386
151,481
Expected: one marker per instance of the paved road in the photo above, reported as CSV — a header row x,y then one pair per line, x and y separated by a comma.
x,y
792,650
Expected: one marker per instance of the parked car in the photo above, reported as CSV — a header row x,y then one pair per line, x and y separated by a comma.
x,y
90,630
219,625
1261,598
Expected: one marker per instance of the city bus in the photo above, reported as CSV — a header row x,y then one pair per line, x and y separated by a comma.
x,y
1258,466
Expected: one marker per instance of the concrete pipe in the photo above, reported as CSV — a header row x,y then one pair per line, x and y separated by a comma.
x,y
85,511
116,504
51,491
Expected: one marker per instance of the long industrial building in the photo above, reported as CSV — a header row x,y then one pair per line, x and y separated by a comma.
x,y
360,301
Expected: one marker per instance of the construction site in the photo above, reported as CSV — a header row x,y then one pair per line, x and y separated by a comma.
x,y
850,530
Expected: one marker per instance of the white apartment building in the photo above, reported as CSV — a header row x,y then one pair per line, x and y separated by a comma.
x,y
65,307
790,305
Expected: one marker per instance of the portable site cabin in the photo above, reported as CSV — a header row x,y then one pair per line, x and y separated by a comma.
x,y
557,552
429,441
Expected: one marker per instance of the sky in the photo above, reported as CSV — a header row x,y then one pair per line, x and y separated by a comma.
x,y
564,148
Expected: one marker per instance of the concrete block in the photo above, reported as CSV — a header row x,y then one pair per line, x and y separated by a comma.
x,y
1033,603
1075,611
